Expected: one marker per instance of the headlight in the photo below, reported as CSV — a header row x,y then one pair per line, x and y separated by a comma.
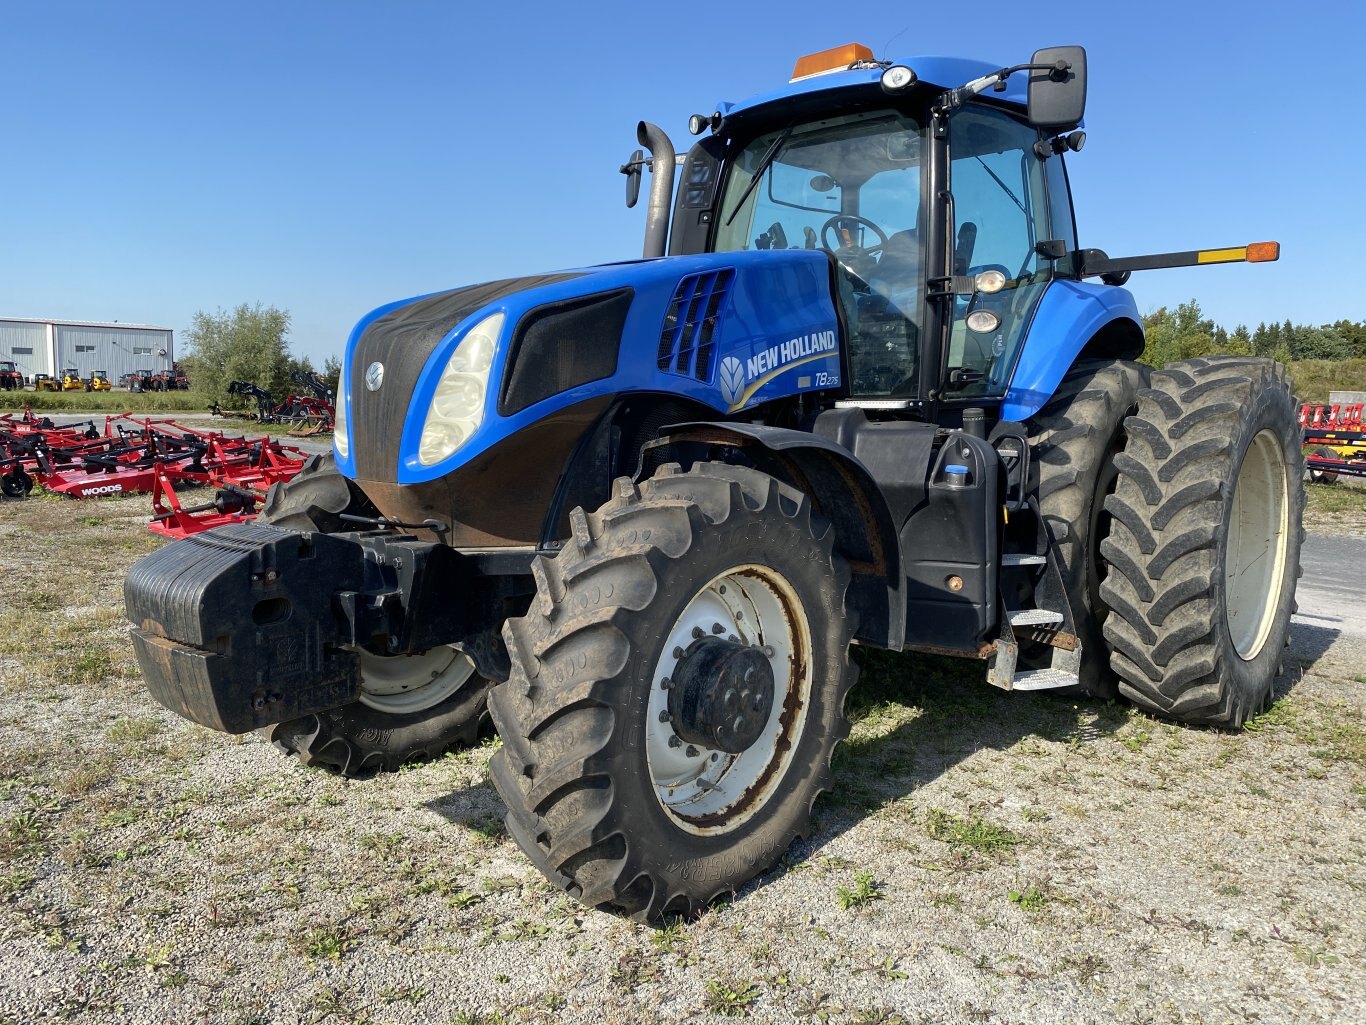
x,y
458,405
340,439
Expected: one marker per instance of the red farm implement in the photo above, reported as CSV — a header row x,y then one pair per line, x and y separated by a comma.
x,y
135,455
1334,440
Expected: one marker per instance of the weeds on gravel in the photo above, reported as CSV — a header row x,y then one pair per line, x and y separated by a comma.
x,y
324,943
731,997
670,936
132,732
633,968
1031,898
861,894
974,832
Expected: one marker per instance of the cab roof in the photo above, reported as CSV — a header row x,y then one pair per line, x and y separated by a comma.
x,y
944,72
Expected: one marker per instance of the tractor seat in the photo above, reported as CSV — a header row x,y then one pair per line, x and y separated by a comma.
x,y
898,271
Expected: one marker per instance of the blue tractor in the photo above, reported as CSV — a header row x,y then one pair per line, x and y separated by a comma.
x,y
864,386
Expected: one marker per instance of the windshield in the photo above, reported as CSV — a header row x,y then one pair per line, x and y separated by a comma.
x,y
849,185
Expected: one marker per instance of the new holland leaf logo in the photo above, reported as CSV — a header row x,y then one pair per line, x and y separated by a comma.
x,y
732,378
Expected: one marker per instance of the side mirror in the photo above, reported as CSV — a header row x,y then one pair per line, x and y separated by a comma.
x,y
1057,93
632,171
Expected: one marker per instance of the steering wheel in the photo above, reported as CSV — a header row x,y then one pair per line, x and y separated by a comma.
x,y
842,220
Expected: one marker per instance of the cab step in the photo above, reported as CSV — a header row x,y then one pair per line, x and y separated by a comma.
x,y
1034,617
1043,679
1020,559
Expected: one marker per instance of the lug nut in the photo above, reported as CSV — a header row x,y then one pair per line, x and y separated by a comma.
x,y
666,683
676,741
730,698
696,632
768,651
678,653
664,715
717,628
692,752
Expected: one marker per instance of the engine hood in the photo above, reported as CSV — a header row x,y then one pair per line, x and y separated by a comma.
x,y
728,330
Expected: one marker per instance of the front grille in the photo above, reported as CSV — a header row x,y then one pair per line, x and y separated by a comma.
x,y
685,339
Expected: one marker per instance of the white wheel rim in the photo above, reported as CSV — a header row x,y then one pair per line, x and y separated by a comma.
x,y
404,684
1258,538
707,791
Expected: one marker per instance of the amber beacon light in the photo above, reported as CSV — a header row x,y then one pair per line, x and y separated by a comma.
x,y
837,58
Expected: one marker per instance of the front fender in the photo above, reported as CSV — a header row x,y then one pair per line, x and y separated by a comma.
x,y
844,492
1070,314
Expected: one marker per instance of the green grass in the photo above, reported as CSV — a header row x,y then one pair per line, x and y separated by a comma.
x,y
1031,898
109,401
973,832
731,998
862,893
1335,499
1315,378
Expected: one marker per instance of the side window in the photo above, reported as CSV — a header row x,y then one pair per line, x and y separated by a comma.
x,y
1001,213
1061,223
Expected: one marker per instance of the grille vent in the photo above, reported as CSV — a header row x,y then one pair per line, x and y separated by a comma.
x,y
686,338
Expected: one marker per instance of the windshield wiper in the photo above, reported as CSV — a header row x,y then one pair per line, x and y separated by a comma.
x,y
769,156
1015,199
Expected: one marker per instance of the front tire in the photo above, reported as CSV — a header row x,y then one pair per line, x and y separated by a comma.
x,y
611,788
1205,542
413,708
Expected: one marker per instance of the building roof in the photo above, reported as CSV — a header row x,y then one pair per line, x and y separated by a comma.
x,y
82,323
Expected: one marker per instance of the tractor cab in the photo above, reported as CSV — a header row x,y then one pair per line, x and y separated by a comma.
x,y
72,380
98,381
11,379
945,220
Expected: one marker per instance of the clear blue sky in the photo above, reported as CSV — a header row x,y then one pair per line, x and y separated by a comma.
x,y
161,158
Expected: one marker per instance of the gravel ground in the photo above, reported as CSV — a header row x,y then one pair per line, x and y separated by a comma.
x,y
984,857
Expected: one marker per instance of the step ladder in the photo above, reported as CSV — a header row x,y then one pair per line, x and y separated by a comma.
x,y
1049,622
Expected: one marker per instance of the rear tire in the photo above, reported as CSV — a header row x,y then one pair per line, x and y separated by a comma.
x,y
387,728
603,793
1075,438
1205,542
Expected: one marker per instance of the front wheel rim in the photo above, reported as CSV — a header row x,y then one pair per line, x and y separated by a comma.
x,y
406,684
707,791
1257,546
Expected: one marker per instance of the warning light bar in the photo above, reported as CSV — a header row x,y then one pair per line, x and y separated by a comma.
x,y
1095,262
837,58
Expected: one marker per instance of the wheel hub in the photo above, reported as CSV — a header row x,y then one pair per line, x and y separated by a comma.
x,y
722,694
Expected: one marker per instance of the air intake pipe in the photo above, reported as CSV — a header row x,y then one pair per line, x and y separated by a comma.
x,y
653,138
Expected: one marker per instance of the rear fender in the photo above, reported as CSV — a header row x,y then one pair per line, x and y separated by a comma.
x,y
843,492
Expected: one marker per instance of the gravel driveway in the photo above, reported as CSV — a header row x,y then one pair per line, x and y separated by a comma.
x,y
985,856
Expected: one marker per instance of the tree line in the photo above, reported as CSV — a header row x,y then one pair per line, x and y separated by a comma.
x,y
1185,332
246,343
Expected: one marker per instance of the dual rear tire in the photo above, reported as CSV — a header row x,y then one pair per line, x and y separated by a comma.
x,y
1204,544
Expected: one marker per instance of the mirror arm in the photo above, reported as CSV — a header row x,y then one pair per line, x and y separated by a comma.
x,y
951,100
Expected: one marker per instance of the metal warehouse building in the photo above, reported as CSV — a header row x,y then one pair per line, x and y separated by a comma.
x,y
50,346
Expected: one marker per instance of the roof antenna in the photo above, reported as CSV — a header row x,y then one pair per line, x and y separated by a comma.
x,y
888,43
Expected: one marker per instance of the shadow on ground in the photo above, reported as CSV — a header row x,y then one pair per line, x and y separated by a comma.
x,y
919,716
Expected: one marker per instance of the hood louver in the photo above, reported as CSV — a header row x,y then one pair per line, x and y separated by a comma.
x,y
685,341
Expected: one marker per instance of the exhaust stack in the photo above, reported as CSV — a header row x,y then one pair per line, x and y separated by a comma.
x,y
653,138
